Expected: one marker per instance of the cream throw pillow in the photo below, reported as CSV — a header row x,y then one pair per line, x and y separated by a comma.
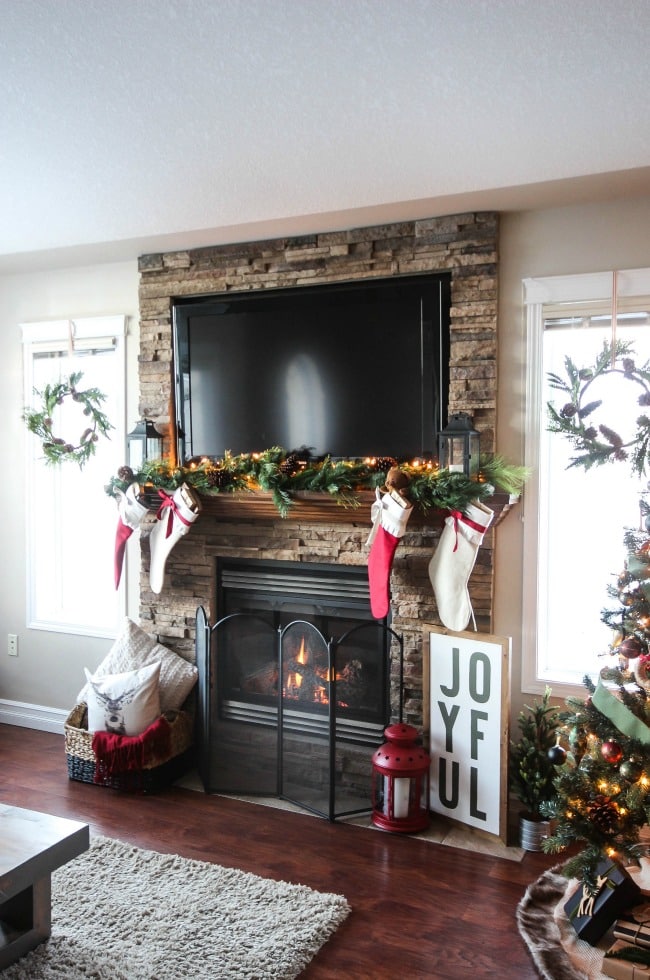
x,y
124,704
134,648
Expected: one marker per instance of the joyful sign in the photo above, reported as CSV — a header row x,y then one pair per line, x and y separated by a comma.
x,y
467,689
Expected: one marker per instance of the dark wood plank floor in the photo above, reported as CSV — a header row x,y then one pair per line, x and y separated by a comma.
x,y
418,909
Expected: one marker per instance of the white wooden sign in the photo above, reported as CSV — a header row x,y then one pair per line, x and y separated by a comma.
x,y
466,707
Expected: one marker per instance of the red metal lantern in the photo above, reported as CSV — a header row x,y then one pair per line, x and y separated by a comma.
x,y
400,785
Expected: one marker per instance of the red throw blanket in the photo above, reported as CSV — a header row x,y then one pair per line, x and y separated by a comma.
x,y
118,754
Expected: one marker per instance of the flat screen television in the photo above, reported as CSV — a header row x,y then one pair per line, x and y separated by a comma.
x,y
348,370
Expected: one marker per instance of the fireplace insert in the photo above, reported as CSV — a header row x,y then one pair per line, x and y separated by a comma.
x,y
294,681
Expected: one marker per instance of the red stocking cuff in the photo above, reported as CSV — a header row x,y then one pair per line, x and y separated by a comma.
x,y
122,535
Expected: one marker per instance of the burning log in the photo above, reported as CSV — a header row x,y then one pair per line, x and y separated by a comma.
x,y
262,681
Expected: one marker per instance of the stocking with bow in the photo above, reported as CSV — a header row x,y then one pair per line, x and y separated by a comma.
x,y
453,561
175,516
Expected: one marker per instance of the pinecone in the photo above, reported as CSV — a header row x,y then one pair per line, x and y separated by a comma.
x,y
126,473
603,814
384,463
289,464
218,478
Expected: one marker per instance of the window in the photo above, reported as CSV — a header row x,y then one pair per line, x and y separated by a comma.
x,y
574,518
71,521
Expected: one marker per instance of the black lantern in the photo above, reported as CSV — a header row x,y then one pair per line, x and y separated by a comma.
x,y
458,446
144,443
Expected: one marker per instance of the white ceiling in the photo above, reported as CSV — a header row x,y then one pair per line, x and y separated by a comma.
x,y
129,126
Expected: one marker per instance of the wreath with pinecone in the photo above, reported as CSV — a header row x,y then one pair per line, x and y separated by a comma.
x,y
599,443
40,421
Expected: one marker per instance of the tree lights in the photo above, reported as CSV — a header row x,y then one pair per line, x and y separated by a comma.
x,y
602,792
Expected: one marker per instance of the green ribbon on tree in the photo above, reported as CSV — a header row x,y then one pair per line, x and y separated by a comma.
x,y
619,714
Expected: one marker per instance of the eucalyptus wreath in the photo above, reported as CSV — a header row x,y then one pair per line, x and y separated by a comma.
x,y
598,444
40,421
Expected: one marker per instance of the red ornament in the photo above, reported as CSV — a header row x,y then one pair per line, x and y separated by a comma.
x,y
611,751
631,648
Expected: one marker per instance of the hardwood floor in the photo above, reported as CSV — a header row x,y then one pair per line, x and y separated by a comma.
x,y
419,909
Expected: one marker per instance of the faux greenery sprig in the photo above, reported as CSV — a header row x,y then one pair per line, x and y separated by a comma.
x,y
284,474
41,421
600,444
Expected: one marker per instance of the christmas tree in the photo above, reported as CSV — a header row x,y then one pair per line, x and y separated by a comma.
x,y
602,791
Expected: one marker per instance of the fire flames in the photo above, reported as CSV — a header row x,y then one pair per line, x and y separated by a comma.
x,y
306,681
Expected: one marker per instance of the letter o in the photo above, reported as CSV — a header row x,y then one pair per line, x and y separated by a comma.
x,y
476,659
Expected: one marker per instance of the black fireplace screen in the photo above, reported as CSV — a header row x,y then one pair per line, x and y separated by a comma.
x,y
294,684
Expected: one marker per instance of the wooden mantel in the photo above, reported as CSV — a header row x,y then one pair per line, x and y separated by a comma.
x,y
321,508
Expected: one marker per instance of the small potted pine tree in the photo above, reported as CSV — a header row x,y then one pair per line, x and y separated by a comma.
x,y
533,763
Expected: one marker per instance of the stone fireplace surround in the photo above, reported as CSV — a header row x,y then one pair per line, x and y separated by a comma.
x,y
248,526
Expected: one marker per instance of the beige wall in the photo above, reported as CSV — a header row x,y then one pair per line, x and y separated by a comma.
x,y
49,668
585,238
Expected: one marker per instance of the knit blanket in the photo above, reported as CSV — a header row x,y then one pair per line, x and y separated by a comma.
x,y
117,754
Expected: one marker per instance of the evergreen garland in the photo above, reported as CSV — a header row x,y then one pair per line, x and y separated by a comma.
x,y
283,474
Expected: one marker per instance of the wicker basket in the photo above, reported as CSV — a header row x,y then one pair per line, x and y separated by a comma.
x,y
157,772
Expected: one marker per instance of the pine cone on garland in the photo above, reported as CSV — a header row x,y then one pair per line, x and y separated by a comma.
x,y
218,478
385,463
290,464
126,473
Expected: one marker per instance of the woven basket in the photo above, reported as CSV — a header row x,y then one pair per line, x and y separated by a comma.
x,y
157,772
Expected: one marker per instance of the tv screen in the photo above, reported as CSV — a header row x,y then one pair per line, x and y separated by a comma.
x,y
347,370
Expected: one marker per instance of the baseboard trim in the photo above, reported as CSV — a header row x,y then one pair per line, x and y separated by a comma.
x,y
32,716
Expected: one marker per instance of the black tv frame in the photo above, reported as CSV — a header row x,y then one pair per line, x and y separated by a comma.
x,y
435,287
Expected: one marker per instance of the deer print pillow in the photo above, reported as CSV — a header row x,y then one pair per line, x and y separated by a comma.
x,y
133,649
124,704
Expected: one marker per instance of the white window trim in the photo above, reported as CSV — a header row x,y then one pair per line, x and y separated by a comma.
x,y
538,295
50,335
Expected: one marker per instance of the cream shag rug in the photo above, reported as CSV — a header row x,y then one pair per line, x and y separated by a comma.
x,y
122,913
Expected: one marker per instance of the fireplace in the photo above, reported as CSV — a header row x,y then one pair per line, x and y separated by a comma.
x,y
294,683
243,525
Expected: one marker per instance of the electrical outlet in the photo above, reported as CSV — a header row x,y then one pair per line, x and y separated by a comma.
x,y
12,644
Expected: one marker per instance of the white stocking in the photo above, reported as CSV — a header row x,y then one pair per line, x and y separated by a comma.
x,y
175,516
453,561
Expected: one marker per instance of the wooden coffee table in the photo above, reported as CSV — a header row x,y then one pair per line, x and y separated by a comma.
x,y
32,846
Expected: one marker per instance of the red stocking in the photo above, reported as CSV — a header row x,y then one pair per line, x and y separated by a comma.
x,y
390,514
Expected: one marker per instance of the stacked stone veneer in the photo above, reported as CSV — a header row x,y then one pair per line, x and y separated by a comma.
x,y
465,245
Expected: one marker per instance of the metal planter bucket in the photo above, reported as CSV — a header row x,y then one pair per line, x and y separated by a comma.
x,y
533,832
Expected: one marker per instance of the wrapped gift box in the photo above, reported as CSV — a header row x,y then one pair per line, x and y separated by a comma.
x,y
635,926
591,914
622,969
